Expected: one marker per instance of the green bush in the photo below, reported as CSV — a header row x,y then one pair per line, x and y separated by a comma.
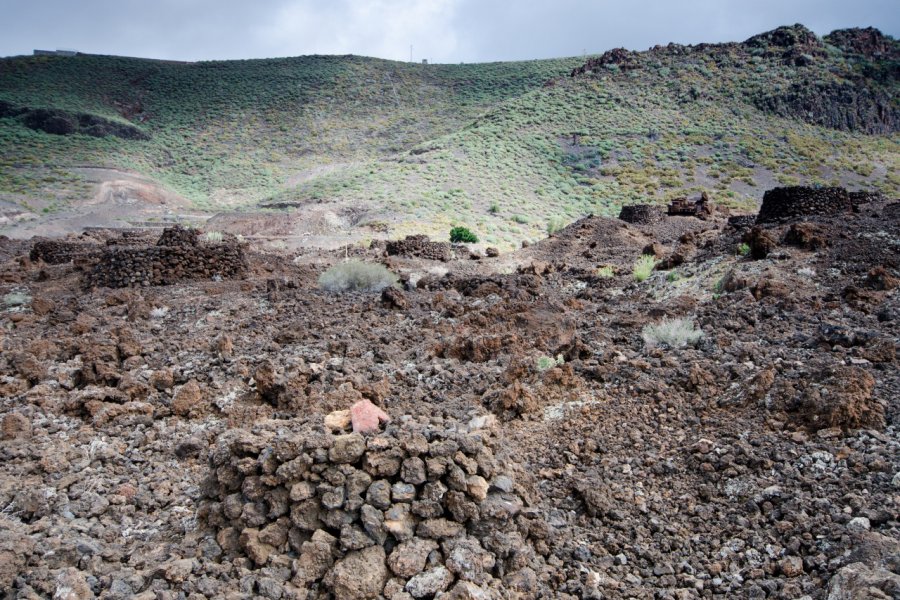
x,y
606,271
355,275
462,235
644,267
548,362
672,333
554,225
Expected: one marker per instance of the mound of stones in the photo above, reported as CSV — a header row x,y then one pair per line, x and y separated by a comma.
x,y
788,203
742,221
624,59
57,252
421,510
641,214
419,246
178,236
177,256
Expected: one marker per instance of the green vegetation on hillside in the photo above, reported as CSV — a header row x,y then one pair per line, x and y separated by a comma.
x,y
513,149
242,127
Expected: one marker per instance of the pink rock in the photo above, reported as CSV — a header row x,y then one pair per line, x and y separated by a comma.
x,y
366,417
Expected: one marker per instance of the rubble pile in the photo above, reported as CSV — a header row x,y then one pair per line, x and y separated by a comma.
x,y
178,236
419,246
420,509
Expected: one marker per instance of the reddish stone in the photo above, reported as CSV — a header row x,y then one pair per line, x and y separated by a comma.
x,y
366,417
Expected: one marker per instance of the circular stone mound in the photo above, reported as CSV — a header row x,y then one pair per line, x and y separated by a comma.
x,y
422,507
641,213
788,203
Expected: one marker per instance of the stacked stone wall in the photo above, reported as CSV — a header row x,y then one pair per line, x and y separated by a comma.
x,y
790,203
419,509
643,214
420,246
177,256
57,252
178,236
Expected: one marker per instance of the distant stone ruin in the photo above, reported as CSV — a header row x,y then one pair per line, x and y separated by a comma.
x,y
178,236
742,221
178,255
58,252
788,203
420,246
695,207
643,214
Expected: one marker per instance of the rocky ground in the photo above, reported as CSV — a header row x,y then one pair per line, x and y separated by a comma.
x,y
172,442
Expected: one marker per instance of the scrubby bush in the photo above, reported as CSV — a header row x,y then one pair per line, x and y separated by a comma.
x,y
355,275
16,299
554,224
672,333
548,362
743,249
462,235
606,272
213,237
644,267
159,312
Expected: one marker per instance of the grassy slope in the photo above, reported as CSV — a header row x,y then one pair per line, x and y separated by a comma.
x,y
239,129
676,126
485,145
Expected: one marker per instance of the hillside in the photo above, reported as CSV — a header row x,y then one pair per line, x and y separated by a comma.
x,y
221,134
350,146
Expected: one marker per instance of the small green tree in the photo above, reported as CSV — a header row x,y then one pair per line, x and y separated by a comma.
x,y
462,235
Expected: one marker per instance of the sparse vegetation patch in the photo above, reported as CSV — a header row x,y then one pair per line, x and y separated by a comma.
x,y
643,267
357,276
672,333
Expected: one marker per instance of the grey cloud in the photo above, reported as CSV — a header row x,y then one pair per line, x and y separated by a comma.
x,y
440,30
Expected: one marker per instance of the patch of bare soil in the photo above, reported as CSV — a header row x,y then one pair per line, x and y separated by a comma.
x,y
121,200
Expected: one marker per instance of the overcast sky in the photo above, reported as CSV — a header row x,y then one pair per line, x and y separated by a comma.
x,y
439,30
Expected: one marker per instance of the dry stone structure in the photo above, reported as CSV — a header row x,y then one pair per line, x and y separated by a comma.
x,y
178,255
641,214
419,509
789,203
742,221
420,246
857,199
57,252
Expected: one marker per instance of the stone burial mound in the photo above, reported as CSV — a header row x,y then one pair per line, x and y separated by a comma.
x,y
423,508
789,203
420,246
178,255
644,214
